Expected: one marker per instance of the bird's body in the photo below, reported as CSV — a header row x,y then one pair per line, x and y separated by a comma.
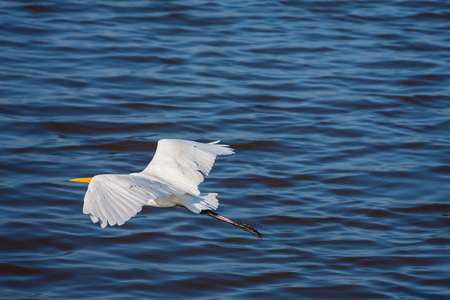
x,y
170,180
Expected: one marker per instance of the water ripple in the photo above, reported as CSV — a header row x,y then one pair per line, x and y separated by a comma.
x,y
337,110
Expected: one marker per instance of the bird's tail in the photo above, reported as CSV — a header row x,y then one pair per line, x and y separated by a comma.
x,y
201,202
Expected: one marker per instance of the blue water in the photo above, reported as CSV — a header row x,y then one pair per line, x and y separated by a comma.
x,y
338,112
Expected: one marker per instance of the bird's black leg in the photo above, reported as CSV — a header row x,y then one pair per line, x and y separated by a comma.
x,y
237,224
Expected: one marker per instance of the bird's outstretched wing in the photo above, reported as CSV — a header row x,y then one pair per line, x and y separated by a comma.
x,y
182,163
114,199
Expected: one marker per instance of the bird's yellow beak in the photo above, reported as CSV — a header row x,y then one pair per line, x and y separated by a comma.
x,y
88,179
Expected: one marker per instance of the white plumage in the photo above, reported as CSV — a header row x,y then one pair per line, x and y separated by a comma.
x,y
170,179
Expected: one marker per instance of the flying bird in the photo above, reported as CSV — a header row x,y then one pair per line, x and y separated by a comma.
x,y
171,179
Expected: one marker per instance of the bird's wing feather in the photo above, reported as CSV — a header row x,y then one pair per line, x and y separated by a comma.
x,y
114,199
183,163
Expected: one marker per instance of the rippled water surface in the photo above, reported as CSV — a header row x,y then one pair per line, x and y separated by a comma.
x,y
338,112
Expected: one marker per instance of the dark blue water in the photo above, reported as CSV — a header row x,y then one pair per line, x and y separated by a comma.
x,y
338,111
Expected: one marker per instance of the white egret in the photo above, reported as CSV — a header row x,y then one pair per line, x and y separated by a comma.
x,y
170,180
